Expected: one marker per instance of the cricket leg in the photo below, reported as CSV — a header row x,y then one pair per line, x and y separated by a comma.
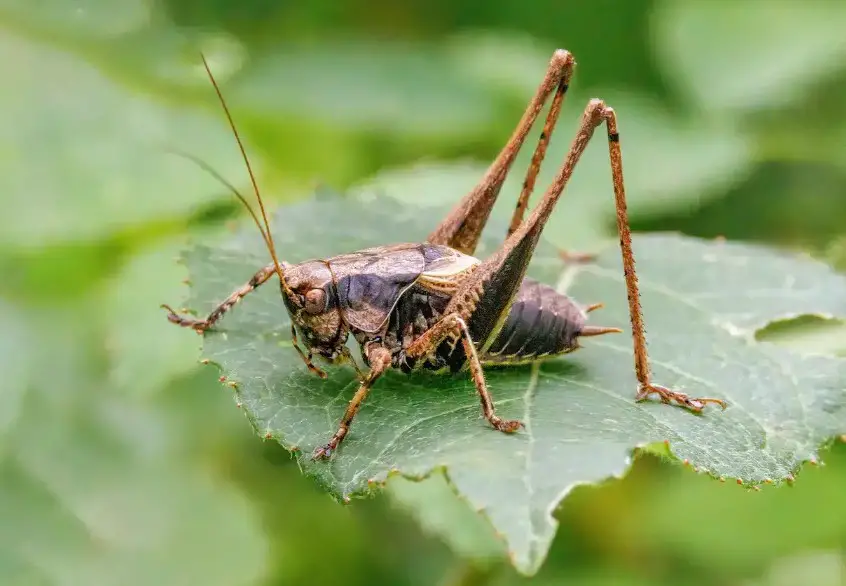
x,y
452,326
485,297
531,178
307,358
380,361
641,356
537,158
201,325
462,228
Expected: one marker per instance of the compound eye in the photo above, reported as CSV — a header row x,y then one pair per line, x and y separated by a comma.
x,y
315,301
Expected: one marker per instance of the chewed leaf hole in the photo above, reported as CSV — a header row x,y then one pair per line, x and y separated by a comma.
x,y
810,334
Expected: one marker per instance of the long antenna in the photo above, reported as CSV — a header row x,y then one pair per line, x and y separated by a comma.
x,y
266,232
208,169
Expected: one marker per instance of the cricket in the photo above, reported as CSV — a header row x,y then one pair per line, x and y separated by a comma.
x,y
433,305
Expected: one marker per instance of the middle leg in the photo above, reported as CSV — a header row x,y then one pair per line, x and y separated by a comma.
x,y
453,327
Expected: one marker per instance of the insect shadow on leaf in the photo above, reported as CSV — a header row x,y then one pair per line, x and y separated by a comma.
x,y
434,306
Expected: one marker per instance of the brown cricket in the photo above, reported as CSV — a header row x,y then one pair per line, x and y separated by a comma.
x,y
433,305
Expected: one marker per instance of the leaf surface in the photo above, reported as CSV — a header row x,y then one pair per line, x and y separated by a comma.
x,y
766,56
80,166
703,302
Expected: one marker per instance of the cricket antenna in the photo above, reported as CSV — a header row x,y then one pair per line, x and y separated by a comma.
x,y
208,169
268,238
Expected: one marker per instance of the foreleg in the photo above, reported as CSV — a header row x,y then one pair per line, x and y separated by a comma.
x,y
201,325
379,358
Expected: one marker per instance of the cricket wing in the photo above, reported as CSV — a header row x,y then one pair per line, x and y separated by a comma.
x,y
370,282
445,269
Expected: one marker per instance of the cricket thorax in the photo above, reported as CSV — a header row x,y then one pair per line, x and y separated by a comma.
x,y
418,310
394,294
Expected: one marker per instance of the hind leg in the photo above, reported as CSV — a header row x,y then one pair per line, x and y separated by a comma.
x,y
462,228
485,297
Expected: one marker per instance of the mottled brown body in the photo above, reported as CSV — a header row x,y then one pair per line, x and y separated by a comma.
x,y
540,321
433,305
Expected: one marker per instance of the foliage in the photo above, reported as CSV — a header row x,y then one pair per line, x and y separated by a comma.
x,y
122,463
704,302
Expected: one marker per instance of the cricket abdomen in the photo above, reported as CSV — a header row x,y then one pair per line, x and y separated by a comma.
x,y
541,322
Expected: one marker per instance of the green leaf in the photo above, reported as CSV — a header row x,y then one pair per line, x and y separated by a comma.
x,y
105,517
434,504
94,484
14,363
87,19
109,169
808,334
726,520
703,302
133,321
768,54
367,85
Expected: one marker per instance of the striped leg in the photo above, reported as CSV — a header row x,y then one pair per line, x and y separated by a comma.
x,y
379,358
201,325
452,326
462,228
485,297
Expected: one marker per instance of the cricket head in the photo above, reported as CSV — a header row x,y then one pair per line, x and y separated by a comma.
x,y
311,298
307,288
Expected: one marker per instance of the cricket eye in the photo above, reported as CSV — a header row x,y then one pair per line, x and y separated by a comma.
x,y
315,301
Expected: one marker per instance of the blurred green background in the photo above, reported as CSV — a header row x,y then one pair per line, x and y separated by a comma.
x,y
124,462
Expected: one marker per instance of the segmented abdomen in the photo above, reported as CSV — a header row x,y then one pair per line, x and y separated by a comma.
x,y
541,322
